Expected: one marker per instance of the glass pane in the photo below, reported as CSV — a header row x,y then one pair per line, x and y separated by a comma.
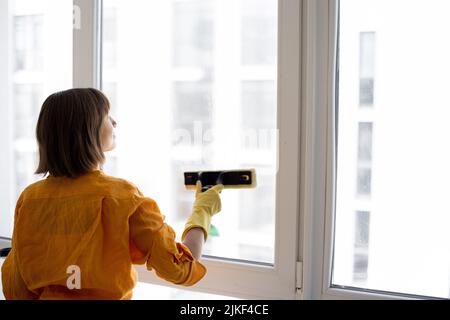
x,y
259,32
392,233
365,142
197,91
36,60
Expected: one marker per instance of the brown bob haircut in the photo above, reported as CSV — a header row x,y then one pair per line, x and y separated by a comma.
x,y
68,132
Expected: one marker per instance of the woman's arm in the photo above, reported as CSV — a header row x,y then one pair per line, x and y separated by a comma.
x,y
194,241
197,226
153,242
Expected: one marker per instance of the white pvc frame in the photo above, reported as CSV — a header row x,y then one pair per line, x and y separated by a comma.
x,y
87,44
318,152
227,277
318,155
6,120
306,177
262,282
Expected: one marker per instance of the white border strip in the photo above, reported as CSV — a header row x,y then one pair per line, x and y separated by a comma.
x,y
87,44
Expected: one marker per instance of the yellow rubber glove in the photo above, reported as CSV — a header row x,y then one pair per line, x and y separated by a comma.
x,y
206,205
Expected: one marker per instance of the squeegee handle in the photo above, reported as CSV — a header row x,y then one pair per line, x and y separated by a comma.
x,y
218,181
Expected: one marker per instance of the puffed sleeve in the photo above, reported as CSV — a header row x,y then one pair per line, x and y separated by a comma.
x,y
152,241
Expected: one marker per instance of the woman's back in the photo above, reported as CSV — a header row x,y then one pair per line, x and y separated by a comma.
x,y
78,232
62,222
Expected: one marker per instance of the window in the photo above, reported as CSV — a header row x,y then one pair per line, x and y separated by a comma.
x,y
400,241
36,60
27,98
109,37
28,40
372,173
361,246
258,33
193,33
367,68
199,85
201,88
365,142
258,97
364,181
364,166
192,110
172,69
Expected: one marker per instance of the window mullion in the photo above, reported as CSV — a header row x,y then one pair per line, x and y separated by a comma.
x,y
317,147
318,156
87,43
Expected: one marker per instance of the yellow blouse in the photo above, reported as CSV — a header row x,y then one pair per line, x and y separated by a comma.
x,y
100,224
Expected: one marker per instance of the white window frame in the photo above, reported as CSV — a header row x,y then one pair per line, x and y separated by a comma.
x,y
226,277
6,120
318,150
307,38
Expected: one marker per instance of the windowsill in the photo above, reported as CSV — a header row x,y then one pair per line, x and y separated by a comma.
x,y
146,291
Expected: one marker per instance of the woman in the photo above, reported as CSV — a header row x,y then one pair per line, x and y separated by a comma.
x,y
78,232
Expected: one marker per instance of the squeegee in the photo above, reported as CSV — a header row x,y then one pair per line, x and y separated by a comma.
x,y
231,179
